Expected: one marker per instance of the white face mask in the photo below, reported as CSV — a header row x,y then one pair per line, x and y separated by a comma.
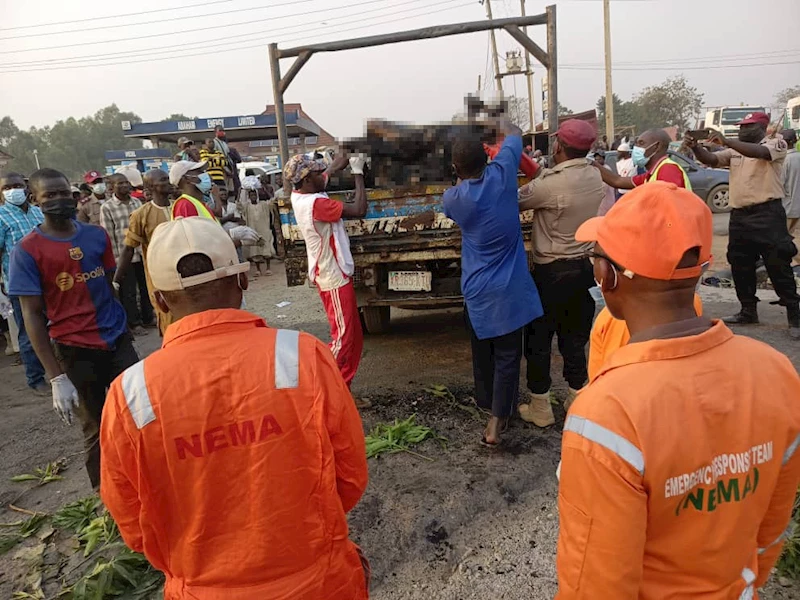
x,y
99,188
15,196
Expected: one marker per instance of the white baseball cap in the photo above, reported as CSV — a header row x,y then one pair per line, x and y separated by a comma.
x,y
132,174
191,235
182,167
623,147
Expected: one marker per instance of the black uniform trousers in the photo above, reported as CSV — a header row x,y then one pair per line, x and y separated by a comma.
x,y
495,367
91,371
134,297
760,231
568,312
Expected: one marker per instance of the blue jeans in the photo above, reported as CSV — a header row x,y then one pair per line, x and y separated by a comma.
x,y
34,371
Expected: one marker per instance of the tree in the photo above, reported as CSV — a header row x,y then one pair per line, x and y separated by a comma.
x,y
563,110
626,115
674,102
72,146
782,97
519,112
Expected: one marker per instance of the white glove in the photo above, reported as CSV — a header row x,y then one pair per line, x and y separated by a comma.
x,y
245,235
65,397
357,163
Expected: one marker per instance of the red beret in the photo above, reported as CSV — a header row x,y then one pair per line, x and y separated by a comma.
x,y
758,117
577,134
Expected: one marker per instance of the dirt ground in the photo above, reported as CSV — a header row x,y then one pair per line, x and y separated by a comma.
x,y
470,523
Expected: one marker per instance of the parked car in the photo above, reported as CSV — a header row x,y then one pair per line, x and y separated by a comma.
x,y
710,184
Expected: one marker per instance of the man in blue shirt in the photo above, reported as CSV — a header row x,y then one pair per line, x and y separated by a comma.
x,y
17,219
500,296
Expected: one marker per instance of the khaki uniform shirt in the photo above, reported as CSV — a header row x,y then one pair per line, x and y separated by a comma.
x,y
563,198
755,180
143,223
89,211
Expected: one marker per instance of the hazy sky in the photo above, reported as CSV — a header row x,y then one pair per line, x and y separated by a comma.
x,y
134,60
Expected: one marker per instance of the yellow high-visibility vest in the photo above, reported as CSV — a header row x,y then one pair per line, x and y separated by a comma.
x,y
654,176
202,209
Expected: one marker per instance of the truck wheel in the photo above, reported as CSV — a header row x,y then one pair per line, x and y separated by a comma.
x,y
718,199
376,319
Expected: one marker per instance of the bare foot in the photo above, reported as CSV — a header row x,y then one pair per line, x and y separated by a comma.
x,y
491,435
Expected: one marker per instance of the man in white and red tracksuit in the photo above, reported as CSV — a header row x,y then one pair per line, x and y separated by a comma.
x,y
330,264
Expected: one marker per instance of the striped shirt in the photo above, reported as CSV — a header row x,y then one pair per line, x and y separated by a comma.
x,y
216,164
15,224
115,218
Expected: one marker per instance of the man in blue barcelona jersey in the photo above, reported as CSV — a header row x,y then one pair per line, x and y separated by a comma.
x,y
62,272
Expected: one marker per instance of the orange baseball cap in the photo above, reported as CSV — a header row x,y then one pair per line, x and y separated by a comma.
x,y
650,228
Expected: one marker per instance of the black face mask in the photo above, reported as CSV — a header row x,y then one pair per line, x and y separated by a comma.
x,y
752,136
62,209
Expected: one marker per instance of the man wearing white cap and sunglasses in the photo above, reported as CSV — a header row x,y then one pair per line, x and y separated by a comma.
x,y
215,445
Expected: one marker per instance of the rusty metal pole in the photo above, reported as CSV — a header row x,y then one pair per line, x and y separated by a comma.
x,y
497,77
277,92
552,74
528,74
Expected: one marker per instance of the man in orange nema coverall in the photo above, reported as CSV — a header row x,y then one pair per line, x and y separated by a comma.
x,y
680,460
232,454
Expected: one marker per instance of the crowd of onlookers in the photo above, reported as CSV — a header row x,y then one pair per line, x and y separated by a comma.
x,y
108,200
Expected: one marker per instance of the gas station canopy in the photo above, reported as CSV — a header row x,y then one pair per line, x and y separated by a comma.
x,y
245,128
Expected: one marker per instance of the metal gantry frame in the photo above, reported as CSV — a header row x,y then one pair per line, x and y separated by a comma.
x,y
548,59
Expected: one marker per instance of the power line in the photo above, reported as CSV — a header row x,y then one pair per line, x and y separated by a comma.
x,y
681,67
225,40
720,58
136,14
246,47
181,18
167,33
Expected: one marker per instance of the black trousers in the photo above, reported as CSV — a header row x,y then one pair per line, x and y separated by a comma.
x,y
146,307
568,311
91,371
760,232
495,367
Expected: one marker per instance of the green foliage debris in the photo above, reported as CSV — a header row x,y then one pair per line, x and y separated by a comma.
x,y
42,475
789,562
400,436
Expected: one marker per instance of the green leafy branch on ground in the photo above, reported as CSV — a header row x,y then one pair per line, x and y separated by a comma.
x,y
42,475
789,562
108,570
20,530
399,437
441,391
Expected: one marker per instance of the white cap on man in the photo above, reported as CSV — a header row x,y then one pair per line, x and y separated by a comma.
x,y
132,174
182,167
176,239
623,147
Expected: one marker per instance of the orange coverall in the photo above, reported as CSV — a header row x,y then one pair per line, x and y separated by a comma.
x,y
230,459
609,334
680,465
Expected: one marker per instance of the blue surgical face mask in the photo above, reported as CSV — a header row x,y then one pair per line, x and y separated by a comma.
x,y
639,155
15,196
204,185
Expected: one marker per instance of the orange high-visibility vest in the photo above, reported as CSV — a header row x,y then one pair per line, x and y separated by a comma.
x,y
232,470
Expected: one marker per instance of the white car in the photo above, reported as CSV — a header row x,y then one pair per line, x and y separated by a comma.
x,y
257,169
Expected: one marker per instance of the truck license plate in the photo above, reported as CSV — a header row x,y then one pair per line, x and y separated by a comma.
x,y
410,281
